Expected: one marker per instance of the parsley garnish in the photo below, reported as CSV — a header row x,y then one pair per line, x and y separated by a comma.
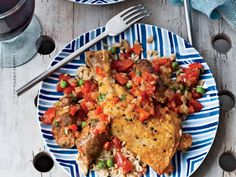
x,y
102,97
123,97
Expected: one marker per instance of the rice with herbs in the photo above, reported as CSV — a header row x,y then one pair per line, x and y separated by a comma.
x,y
138,170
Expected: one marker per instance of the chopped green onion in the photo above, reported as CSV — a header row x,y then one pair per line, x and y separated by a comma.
x,y
102,97
178,72
181,87
128,85
66,131
63,84
55,123
174,89
113,50
101,164
186,88
80,82
123,97
110,163
138,73
83,124
73,97
175,66
202,70
200,90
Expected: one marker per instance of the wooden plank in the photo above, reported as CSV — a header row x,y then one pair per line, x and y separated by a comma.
x,y
222,66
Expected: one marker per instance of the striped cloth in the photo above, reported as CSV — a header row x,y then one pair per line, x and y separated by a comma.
x,y
214,9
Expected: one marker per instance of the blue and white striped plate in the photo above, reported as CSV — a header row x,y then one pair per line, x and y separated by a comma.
x,y
97,2
202,126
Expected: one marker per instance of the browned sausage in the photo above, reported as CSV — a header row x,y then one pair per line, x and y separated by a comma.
x,y
90,145
62,135
144,65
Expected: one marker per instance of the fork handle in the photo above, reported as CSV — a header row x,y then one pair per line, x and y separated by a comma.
x,y
57,66
187,8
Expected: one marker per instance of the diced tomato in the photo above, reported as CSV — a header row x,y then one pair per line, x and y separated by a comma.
x,y
59,89
157,63
127,166
172,105
197,106
77,134
132,74
73,127
190,110
64,77
101,127
51,112
107,145
177,99
90,105
135,91
73,110
123,162
88,86
121,78
191,74
143,115
187,79
104,117
100,71
125,55
149,108
84,107
150,88
116,142
137,49
196,95
145,98
137,80
49,115
81,115
122,65
72,82
95,131
196,65
115,100
147,76
98,110
68,90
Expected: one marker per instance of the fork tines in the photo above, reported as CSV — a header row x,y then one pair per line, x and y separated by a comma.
x,y
134,14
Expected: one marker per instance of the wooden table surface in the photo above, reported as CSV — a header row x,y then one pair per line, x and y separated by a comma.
x,y
20,138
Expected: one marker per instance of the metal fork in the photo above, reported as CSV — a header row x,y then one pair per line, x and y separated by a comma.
x,y
114,26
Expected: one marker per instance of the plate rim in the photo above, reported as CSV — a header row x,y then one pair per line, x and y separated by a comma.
x,y
145,24
95,4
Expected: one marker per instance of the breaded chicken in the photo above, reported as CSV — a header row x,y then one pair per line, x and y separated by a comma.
x,y
155,140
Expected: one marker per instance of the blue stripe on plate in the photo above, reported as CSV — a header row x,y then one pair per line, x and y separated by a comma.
x,y
202,126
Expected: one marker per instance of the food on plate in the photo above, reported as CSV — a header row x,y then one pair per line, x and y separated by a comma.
x,y
124,113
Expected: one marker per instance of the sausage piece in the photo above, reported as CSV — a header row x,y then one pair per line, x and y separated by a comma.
x,y
89,146
144,65
62,135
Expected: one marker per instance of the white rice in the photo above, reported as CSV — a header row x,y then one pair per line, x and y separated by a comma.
x,y
116,171
85,73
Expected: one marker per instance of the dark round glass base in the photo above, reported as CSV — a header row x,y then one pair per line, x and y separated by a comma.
x,y
21,49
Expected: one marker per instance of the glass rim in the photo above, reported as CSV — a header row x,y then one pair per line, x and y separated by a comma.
x,y
12,10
